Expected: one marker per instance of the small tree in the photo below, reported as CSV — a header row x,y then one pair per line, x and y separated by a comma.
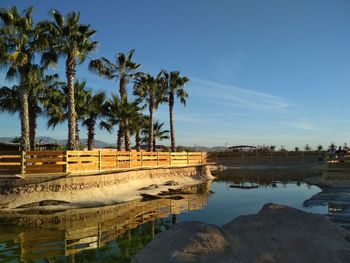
x,y
297,149
307,148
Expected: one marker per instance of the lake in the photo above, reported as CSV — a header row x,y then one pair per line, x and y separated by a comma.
x,y
115,233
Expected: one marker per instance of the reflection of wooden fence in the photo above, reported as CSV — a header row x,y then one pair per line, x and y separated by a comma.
x,y
50,243
42,162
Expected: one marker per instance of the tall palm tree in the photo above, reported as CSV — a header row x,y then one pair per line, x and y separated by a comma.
x,y
120,112
38,88
159,133
95,110
175,87
152,91
73,41
124,70
20,40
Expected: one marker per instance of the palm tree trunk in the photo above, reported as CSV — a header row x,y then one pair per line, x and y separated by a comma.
x,y
32,126
124,95
154,143
77,131
138,141
150,134
122,88
171,118
25,145
127,139
120,138
91,135
70,72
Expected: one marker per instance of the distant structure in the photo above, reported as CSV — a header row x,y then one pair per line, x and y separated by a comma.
x,y
242,148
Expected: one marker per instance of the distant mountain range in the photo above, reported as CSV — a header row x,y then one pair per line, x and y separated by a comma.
x,y
102,144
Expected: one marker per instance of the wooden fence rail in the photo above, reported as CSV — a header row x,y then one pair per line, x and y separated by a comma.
x,y
74,162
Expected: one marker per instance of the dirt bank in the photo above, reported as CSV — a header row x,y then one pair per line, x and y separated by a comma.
x,y
97,190
276,234
329,183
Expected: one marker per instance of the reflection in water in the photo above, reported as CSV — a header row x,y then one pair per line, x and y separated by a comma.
x,y
338,202
121,229
116,233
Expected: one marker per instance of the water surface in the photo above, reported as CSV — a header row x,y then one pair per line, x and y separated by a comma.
x,y
116,233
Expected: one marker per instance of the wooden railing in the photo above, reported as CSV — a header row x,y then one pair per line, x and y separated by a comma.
x,y
74,162
212,156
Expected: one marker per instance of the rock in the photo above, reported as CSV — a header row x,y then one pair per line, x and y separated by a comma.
x,y
171,183
151,186
276,234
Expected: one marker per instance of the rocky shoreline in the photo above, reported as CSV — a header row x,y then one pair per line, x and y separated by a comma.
x,y
276,234
98,189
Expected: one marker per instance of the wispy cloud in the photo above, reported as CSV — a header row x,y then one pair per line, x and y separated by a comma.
x,y
202,117
235,96
303,125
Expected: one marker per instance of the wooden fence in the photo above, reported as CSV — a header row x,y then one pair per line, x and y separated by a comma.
x,y
213,156
74,162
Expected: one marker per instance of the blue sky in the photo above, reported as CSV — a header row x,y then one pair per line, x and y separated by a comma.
x,y
262,72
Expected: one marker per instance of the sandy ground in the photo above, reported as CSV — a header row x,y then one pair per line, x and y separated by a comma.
x,y
276,234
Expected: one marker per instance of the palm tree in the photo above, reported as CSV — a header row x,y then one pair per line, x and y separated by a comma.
x,y
124,70
73,41
95,110
152,90
38,87
20,39
136,126
175,87
120,112
159,133
56,105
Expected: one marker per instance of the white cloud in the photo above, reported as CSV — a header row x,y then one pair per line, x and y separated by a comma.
x,y
233,96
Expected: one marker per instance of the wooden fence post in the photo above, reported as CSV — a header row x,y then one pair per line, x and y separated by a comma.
x,y
188,158
117,159
23,162
170,158
157,158
141,159
201,157
129,159
67,163
99,160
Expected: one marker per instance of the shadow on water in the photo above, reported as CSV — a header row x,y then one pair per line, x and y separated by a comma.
x,y
105,234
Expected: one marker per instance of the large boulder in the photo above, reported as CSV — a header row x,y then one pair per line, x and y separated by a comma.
x,y
276,234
